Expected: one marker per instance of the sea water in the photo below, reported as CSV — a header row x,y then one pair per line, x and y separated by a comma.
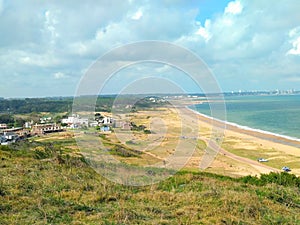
x,y
276,114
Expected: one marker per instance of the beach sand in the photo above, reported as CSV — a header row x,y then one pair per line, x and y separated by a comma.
x,y
245,146
237,153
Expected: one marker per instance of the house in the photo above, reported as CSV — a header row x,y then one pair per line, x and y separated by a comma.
x,y
17,130
3,126
69,120
28,124
107,120
40,129
11,136
3,140
75,121
45,119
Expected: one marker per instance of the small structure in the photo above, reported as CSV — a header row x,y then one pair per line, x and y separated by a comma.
x,y
28,124
107,120
3,126
124,125
105,129
3,140
45,119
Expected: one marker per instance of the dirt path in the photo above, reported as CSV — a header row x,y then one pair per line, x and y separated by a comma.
x,y
261,167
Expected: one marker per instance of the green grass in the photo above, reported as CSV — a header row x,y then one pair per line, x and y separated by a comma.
x,y
59,188
276,160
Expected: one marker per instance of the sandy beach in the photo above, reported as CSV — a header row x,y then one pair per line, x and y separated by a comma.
x,y
245,146
237,153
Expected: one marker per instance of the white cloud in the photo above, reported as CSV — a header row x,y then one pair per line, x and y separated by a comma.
x,y
204,31
1,6
296,47
59,75
106,38
138,15
294,34
37,60
50,26
234,8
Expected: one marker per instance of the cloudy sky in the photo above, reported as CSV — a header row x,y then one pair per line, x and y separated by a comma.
x,y
47,46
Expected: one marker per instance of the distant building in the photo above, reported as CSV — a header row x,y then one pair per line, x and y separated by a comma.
x,y
45,119
28,124
105,129
124,125
13,129
40,129
11,136
3,140
75,121
94,124
107,120
3,126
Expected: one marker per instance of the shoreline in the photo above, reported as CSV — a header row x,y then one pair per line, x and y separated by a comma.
x,y
262,134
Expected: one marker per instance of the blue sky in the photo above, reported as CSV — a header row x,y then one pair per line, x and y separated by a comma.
x,y
47,46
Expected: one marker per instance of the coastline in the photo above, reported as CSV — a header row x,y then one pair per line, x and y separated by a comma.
x,y
262,134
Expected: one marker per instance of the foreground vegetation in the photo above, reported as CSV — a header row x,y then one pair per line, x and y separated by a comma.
x,y
47,183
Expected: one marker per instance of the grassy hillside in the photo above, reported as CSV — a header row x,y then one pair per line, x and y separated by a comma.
x,y
44,183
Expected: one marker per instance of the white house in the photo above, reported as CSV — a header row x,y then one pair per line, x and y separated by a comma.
x,y
3,126
45,119
74,121
107,120
10,136
28,124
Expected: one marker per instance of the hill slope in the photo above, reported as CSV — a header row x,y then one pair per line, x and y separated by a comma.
x,y
41,184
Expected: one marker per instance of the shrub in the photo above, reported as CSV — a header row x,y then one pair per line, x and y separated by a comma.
x,y
284,179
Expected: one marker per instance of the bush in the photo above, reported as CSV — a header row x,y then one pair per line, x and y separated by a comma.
x,y
284,179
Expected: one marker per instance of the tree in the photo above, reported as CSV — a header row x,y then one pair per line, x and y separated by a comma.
x,y
6,118
19,122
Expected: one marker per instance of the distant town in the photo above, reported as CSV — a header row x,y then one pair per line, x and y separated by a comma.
x,y
272,92
46,125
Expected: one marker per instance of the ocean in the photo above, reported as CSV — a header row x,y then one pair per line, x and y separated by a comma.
x,y
276,114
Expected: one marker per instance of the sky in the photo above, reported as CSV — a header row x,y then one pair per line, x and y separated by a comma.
x,y
46,47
